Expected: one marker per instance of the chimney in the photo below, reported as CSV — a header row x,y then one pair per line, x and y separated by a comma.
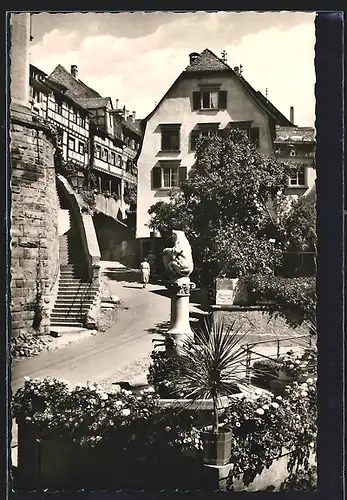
x,y
134,115
117,103
292,114
237,70
130,119
193,56
74,70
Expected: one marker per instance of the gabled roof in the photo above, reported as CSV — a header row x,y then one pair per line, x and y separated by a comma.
x,y
208,62
76,88
95,102
295,135
35,69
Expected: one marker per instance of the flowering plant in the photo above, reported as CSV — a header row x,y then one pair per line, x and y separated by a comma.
x,y
88,415
298,366
265,426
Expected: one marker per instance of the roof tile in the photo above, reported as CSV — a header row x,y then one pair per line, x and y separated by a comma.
x,y
76,88
207,61
294,134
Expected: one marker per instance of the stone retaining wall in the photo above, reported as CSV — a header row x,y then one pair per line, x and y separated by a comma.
x,y
34,225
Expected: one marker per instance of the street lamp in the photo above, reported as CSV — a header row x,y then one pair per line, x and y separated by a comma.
x,y
77,180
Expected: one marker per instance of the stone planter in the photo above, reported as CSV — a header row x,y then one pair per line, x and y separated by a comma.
x,y
201,409
216,447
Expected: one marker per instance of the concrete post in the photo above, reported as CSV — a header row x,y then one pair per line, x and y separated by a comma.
x,y
20,37
180,326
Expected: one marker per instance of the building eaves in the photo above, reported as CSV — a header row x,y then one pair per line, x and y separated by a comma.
x,y
94,103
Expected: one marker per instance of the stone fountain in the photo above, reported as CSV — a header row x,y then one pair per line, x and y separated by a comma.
x,y
178,261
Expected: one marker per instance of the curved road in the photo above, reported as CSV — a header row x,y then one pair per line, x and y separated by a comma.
x,y
98,357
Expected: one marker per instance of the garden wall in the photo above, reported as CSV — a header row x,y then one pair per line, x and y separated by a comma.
x,y
57,463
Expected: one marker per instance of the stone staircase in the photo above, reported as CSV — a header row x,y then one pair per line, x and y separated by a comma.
x,y
75,297
76,292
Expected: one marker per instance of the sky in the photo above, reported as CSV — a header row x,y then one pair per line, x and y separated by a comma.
x,y
136,56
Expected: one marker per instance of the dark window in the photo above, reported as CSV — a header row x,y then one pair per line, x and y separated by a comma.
x,y
170,139
81,148
82,121
73,116
113,158
37,96
254,136
199,134
168,176
105,155
71,144
299,178
210,99
58,107
97,151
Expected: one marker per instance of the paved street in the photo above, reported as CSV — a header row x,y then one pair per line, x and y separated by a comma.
x,y
98,357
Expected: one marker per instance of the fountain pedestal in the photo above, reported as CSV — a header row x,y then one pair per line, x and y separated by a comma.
x,y
179,326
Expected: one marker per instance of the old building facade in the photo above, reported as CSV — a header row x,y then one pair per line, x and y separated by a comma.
x,y
207,97
297,145
56,244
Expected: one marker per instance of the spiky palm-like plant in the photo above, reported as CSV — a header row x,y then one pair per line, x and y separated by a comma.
x,y
215,363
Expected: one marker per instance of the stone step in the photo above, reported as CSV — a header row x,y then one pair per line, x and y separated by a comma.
x,y
64,316
73,300
69,292
75,286
70,307
74,282
67,323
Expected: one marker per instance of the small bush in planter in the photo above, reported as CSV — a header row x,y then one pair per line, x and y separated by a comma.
x,y
164,372
264,371
214,367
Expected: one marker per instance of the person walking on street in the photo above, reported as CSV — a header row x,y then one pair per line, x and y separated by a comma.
x,y
145,272
152,261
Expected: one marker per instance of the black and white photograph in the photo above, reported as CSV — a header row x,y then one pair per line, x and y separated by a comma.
x,y
163,251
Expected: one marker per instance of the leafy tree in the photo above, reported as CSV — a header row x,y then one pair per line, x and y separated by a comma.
x,y
299,225
229,206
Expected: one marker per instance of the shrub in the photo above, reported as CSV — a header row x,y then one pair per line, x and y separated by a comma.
x,y
298,366
90,417
265,426
301,480
29,344
165,372
293,298
264,371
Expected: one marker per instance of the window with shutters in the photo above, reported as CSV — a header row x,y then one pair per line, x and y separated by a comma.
x,y
170,137
168,175
81,148
71,144
202,132
252,132
298,178
210,99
